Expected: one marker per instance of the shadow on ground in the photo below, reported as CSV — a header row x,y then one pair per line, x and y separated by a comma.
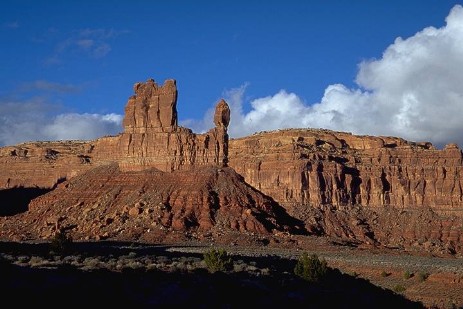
x,y
16,200
67,285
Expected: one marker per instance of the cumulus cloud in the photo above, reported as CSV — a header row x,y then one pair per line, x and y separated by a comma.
x,y
82,126
234,98
413,91
33,120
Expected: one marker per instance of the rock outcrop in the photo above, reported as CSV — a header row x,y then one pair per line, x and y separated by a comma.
x,y
321,167
376,190
152,138
152,108
43,164
367,189
151,182
152,206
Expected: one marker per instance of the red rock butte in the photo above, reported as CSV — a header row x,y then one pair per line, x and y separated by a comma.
x,y
152,137
373,189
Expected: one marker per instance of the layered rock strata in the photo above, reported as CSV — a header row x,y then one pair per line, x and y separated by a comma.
x,y
322,167
152,138
150,205
366,189
372,189
43,164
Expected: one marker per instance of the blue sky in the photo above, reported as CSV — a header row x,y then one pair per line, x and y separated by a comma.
x,y
366,67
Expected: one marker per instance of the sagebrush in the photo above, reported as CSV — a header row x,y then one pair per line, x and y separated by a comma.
x,y
217,260
60,242
310,267
399,288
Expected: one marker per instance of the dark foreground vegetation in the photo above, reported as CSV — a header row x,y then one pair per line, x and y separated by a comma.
x,y
119,274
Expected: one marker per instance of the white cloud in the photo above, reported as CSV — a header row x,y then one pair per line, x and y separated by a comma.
x,y
32,121
413,91
85,44
92,43
82,126
101,50
278,111
234,98
43,85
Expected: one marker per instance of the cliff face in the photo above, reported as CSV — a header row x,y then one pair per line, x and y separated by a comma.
x,y
366,189
370,189
152,108
319,167
43,164
150,205
151,137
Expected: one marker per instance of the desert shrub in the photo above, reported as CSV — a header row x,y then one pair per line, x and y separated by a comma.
x,y
407,275
91,263
310,268
450,304
134,264
354,274
239,266
422,276
399,288
132,254
60,243
217,260
384,274
36,261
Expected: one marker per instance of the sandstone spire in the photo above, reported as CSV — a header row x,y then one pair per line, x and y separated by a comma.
x,y
152,107
221,121
152,138
222,114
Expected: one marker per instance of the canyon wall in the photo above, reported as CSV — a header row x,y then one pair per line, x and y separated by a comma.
x,y
300,167
151,139
372,189
360,189
296,167
43,164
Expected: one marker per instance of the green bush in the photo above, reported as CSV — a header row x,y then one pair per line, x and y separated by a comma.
x,y
422,276
217,260
399,288
310,268
60,242
384,274
407,275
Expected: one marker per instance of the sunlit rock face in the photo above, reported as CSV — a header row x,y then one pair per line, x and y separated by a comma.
x,y
152,138
152,108
323,167
371,189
